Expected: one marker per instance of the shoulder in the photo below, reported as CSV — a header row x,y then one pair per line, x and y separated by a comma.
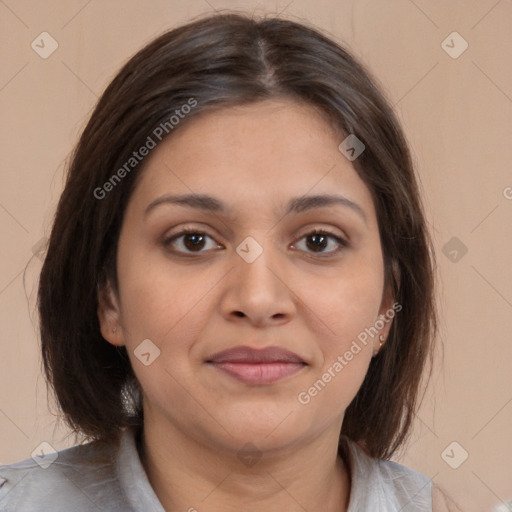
x,y
441,502
379,484
74,478
410,489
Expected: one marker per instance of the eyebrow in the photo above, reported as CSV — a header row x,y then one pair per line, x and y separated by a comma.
x,y
299,204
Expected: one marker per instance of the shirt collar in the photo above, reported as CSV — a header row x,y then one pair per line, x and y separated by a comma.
x,y
132,476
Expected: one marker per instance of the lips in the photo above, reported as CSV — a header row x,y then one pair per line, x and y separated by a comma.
x,y
243,354
257,366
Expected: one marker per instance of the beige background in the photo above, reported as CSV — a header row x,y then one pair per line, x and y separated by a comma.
x,y
457,113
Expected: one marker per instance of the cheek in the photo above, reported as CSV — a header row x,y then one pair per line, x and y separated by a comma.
x,y
157,297
169,309
347,303
346,349
344,324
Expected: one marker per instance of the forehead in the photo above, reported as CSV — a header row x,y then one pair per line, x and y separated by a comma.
x,y
264,152
278,132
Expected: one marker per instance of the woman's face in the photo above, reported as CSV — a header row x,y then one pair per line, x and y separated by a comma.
x,y
253,275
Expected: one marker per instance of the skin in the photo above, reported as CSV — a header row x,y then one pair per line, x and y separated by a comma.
x,y
254,158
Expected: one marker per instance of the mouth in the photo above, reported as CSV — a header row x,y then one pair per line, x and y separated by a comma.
x,y
257,366
259,373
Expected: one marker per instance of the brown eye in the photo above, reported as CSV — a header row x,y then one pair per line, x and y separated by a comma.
x,y
192,241
319,240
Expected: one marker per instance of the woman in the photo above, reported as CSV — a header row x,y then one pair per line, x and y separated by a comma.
x,y
237,303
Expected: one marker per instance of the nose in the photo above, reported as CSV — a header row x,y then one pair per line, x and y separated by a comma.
x,y
259,292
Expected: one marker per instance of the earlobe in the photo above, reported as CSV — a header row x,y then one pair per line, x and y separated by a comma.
x,y
109,315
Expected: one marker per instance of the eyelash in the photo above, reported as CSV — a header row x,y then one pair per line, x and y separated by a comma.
x,y
188,231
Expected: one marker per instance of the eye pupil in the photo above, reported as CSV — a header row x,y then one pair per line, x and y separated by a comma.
x,y
318,240
196,239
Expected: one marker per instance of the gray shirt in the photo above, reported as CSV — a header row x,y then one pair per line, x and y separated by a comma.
x,y
89,478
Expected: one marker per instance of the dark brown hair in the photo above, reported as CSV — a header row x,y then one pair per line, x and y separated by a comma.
x,y
219,61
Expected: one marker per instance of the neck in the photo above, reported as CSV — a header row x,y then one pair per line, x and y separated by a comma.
x,y
187,475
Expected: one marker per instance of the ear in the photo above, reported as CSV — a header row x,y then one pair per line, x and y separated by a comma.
x,y
388,309
109,315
